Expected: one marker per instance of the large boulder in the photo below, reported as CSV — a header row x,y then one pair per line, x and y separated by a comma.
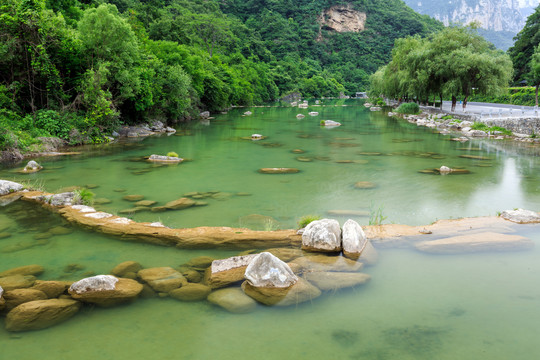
x,y
224,272
17,282
40,314
521,216
103,290
486,241
191,292
16,297
299,292
270,281
322,235
266,270
61,199
7,187
327,263
355,243
326,280
23,270
162,279
233,300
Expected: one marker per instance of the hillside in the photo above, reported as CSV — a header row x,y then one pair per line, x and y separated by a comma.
x,y
77,69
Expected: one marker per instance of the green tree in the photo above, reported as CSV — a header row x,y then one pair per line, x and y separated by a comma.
x,y
534,75
525,44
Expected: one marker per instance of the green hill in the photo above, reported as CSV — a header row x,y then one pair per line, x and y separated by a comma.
x,y
86,66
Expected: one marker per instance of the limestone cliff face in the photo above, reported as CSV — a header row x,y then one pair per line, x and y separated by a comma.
x,y
497,15
342,18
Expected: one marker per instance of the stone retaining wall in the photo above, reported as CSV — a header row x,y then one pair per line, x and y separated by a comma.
x,y
524,125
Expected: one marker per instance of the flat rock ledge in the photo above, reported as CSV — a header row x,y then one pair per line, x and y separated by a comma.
x,y
480,242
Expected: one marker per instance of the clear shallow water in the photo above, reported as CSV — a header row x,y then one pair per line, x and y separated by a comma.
x,y
417,306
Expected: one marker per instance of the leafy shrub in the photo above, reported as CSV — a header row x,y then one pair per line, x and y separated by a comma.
x,y
172,154
408,108
83,196
305,220
487,129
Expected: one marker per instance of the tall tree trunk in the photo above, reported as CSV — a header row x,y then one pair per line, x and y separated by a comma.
x,y
440,97
454,101
465,102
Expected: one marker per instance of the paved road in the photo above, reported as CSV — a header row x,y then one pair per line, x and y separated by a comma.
x,y
493,110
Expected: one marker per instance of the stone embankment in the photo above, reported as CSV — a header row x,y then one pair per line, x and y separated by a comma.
x,y
295,267
522,127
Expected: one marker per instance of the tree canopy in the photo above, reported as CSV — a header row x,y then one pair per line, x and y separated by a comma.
x,y
453,62
526,42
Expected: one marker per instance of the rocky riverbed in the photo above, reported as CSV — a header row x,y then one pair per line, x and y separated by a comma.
x,y
278,268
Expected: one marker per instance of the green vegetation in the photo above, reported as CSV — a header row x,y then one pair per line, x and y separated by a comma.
x,y
376,216
83,196
172,154
526,42
408,108
305,220
487,129
453,62
513,95
77,69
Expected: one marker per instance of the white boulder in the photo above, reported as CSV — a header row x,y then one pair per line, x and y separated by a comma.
x,y
266,270
521,216
322,235
94,283
7,187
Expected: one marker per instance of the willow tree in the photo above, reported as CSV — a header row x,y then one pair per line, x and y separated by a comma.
x,y
453,62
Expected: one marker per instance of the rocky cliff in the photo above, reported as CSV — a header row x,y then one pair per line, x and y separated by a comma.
x,y
498,15
342,18
500,20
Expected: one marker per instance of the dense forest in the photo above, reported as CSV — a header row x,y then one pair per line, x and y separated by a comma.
x,y
77,69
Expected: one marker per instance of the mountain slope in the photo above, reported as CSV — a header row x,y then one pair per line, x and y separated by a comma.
x,y
500,20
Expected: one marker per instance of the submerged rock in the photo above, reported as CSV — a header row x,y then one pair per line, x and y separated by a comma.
x,y
191,292
7,187
233,300
300,291
266,270
322,235
336,280
17,282
16,297
126,269
486,241
100,292
52,288
327,263
521,216
41,314
162,279
23,270
278,170
179,204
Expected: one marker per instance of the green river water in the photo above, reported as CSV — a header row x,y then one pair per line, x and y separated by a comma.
x,y
417,306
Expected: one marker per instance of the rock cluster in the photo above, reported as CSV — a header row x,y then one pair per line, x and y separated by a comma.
x,y
325,235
